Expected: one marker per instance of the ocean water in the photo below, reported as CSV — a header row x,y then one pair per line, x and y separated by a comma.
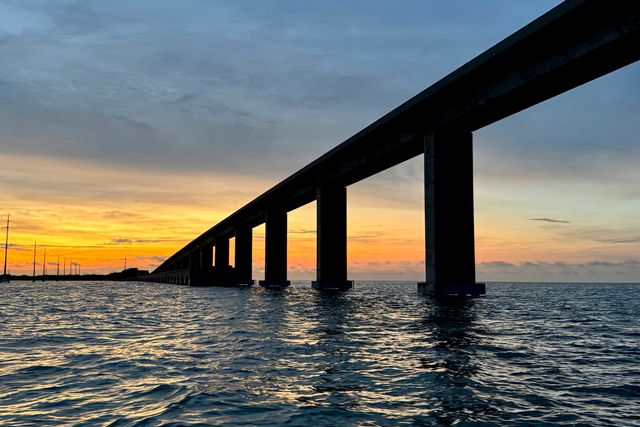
x,y
120,354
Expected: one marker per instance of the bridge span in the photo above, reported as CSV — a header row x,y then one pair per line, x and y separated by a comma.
x,y
572,44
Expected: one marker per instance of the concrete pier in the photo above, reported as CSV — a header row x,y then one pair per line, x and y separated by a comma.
x,y
206,256
201,266
331,245
449,227
244,247
222,273
195,267
222,253
275,258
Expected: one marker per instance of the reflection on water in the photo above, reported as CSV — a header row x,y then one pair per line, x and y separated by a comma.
x,y
97,353
450,325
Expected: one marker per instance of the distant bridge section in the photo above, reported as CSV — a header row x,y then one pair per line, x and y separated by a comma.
x,y
572,44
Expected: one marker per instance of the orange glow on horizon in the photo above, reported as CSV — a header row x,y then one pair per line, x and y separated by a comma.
x,y
97,215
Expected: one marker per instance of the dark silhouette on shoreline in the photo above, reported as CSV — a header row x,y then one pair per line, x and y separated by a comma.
x,y
130,274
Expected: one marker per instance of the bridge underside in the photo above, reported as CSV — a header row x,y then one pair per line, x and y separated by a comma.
x,y
574,43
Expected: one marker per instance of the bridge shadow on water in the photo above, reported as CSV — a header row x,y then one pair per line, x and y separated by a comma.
x,y
450,326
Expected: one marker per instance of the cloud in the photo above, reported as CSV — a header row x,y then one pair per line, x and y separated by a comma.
x,y
228,87
123,215
145,258
302,231
497,264
125,241
555,221
589,271
17,247
121,241
616,235
29,247
622,240
628,263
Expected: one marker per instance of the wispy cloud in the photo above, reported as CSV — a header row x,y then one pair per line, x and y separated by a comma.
x,y
498,264
29,247
125,241
552,220
589,271
622,240
302,231
153,258
617,234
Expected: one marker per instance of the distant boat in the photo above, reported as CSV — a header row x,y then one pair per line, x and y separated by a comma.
x,y
5,278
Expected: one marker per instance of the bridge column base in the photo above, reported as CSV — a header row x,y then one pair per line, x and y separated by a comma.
x,y
274,283
341,285
438,290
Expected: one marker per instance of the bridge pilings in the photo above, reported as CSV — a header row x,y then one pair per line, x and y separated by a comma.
x,y
275,263
331,231
206,256
449,222
196,267
243,255
222,252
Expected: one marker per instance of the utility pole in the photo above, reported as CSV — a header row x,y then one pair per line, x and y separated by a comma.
x,y
58,267
125,263
6,249
64,266
44,263
35,245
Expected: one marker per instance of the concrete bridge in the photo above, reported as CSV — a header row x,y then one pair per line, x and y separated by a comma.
x,y
574,43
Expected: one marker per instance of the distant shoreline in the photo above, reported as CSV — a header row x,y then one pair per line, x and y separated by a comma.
x,y
125,275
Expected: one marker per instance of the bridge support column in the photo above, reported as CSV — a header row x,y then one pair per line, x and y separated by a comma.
x,y
244,246
195,268
206,257
222,273
222,253
449,227
331,247
275,269
200,272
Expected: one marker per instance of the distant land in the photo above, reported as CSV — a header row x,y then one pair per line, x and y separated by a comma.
x,y
124,275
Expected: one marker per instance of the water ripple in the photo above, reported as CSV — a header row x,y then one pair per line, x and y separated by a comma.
x,y
133,354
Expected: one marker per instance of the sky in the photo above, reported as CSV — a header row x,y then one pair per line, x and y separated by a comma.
x,y
127,128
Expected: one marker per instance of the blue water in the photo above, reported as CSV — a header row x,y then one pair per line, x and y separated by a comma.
x,y
119,354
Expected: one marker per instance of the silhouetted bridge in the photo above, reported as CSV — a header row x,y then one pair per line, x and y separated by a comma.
x,y
572,44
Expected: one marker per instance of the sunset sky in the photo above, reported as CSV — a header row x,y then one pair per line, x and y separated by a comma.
x,y
127,128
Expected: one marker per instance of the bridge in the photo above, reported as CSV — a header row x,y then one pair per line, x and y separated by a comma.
x,y
572,44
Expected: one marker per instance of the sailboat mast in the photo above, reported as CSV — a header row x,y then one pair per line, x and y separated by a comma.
x,y
6,247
